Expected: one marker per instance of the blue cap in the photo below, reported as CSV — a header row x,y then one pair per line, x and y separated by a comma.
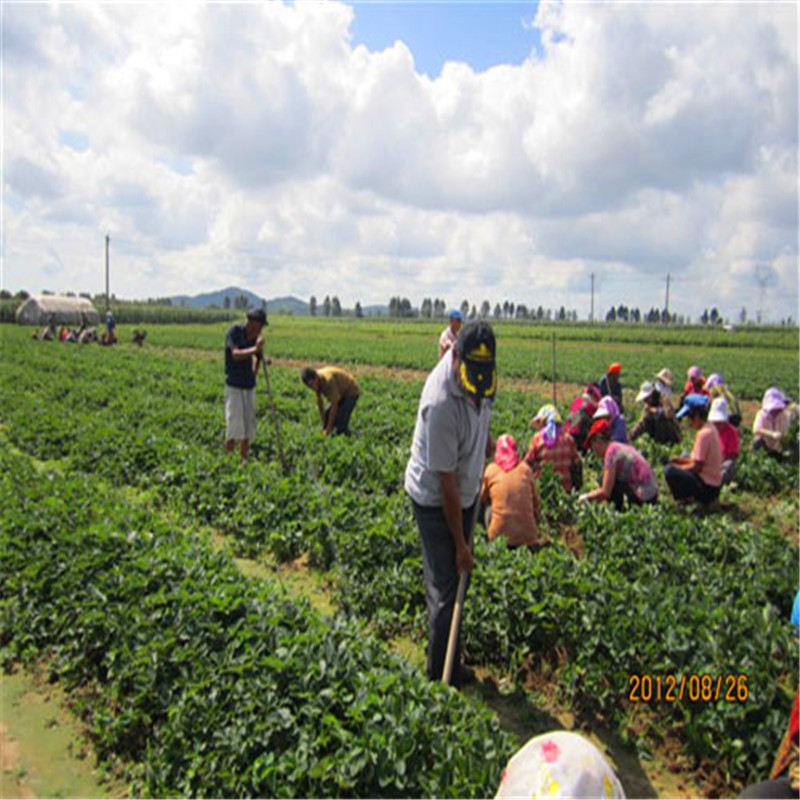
x,y
796,611
691,402
456,314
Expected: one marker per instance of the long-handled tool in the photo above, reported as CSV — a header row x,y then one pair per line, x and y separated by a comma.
x,y
274,413
455,622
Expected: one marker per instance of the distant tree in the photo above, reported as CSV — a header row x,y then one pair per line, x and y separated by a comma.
x,y
326,306
743,315
47,293
511,309
336,307
611,315
539,313
522,311
226,303
548,315
464,307
21,295
505,309
406,310
5,294
498,312
167,301
426,309
240,302
562,314
312,306
704,317
359,313
473,312
485,309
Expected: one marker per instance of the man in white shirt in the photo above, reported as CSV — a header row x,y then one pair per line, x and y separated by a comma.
x,y
443,475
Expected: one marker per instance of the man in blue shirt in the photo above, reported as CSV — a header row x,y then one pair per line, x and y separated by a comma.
x,y
242,342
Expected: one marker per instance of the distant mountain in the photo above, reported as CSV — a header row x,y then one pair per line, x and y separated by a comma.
x,y
288,305
217,298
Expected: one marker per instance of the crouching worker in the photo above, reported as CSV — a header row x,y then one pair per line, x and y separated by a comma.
x,y
341,391
242,342
510,492
552,443
719,417
699,476
626,472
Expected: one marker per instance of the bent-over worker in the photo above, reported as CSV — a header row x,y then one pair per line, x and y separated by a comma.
x,y
341,391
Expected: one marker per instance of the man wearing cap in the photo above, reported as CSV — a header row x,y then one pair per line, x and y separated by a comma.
x,y
698,477
610,385
341,391
443,476
449,335
242,342
656,421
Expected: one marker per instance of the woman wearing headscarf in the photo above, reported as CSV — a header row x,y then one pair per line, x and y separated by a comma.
x,y
728,438
717,387
581,412
626,472
695,383
607,409
658,417
510,490
771,423
552,443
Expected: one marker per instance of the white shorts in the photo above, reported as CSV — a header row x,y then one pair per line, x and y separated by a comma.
x,y
240,413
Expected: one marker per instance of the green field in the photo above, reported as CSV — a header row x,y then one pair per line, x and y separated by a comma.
x,y
196,680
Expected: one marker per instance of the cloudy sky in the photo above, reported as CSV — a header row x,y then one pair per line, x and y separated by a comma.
x,y
486,151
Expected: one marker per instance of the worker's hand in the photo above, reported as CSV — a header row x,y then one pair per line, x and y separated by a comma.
x,y
259,346
464,562
584,498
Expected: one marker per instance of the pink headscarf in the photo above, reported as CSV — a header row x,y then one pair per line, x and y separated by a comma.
x,y
505,453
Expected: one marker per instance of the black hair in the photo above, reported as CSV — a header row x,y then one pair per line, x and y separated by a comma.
x,y
699,411
307,374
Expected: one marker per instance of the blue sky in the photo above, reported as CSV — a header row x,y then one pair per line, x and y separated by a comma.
x,y
480,34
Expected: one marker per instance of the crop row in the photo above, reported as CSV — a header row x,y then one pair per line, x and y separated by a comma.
x,y
749,368
206,684
656,590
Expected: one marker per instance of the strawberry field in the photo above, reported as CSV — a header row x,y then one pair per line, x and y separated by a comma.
x,y
197,681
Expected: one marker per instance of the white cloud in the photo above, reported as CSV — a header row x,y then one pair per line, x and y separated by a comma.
x,y
254,144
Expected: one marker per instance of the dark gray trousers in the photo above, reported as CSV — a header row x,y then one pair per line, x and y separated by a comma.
x,y
441,582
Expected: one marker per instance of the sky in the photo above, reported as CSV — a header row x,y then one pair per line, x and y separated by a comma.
x,y
365,150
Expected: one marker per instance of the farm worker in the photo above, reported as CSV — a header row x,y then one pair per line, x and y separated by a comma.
x,y
663,383
110,328
695,383
581,412
242,342
450,333
728,437
626,473
699,476
340,389
63,333
607,409
553,443
559,764
657,421
510,490
610,385
717,387
771,423
443,476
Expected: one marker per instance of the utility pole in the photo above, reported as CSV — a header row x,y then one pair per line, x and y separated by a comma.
x,y
107,301
666,303
591,313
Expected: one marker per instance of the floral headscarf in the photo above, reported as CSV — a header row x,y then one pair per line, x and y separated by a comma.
x,y
552,419
505,453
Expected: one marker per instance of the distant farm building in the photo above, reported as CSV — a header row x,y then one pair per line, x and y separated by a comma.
x,y
42,309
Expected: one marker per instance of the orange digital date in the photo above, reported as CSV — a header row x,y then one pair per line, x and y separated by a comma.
x,y
694,688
